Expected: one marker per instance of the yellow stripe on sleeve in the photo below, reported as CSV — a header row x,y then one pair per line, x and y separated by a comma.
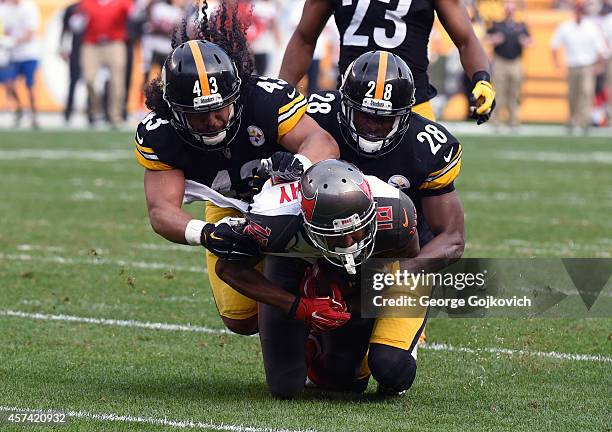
x,y
445,179
287,125
150,164
290,105
144,149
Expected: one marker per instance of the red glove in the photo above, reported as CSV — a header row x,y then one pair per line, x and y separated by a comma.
x,y
319,313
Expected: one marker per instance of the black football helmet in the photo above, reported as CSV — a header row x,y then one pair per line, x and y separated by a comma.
x,y
336,203
379,84
199,77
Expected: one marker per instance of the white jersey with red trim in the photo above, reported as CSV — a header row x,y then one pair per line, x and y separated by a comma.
x,y
274,219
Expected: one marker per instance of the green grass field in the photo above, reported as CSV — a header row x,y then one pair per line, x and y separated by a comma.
x,y
75,241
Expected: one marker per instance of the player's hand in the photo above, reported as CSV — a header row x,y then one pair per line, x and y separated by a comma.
x,y
283,165
482,99
321,313
225,240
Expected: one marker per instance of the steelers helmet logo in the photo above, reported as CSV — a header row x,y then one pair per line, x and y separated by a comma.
x,y
256,136
399,182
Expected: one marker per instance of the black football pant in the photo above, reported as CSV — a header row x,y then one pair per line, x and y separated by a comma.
x,y
283,340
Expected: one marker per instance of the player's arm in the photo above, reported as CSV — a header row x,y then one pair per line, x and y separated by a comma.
x,y
301,46
307,138
245,279
164,192
444,215
454,17
321,313
456,22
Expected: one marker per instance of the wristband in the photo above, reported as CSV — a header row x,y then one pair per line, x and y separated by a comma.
x,y
306,163
481,76
193,232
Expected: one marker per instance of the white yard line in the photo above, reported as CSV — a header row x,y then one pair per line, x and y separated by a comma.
x,y
104,261
199,329
511,352
113,322
181,424
110,155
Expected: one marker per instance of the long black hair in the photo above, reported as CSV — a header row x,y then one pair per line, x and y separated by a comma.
x,y
225,28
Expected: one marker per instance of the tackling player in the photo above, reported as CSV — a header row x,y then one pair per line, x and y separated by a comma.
x,y
372,120
347,217
211,123
401,27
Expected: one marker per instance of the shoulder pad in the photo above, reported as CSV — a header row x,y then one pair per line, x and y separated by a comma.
x,y
153,135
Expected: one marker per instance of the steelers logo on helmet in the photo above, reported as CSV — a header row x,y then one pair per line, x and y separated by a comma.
x,y
201,82
339,212
377,97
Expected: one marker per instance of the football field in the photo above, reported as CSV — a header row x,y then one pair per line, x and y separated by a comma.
x,y
103,319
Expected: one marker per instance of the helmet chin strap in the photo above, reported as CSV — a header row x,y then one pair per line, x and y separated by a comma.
x,y
369,146
218,138
348,256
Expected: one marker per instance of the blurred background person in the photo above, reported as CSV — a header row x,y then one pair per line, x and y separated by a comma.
x,y
584,47
104,44
607,31
71,39
264,34
160,18
6,45
509,37
22,27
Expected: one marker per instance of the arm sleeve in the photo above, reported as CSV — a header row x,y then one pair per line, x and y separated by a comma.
x,y
279,105
445,168
273,233
151,146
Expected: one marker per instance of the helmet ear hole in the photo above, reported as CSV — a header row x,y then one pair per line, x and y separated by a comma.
x,y
180,67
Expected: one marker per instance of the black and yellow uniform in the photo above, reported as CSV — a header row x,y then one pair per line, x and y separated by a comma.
x,y
425,163
401,27
271,109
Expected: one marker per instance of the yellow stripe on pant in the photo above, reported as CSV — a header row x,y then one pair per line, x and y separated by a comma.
x,y
230,303
402,333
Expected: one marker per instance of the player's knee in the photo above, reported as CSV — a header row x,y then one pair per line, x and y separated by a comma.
x,y
393,368
246,327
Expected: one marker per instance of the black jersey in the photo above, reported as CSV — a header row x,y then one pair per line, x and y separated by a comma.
x,y
398,26
274,219
425,163
271,108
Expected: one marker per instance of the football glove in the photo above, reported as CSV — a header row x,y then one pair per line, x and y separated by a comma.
x,y
319,313
225,241
482,99
283,165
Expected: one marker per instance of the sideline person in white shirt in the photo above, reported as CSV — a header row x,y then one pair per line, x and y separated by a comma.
x,y
23,28
584,47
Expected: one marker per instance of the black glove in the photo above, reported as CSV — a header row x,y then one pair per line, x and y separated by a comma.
x,y
226,242
283,165
482,98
